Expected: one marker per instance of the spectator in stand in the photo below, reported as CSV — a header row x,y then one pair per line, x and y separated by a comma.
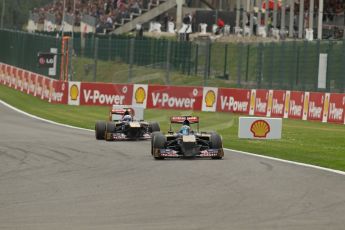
x,y
134,6
220,26
105,11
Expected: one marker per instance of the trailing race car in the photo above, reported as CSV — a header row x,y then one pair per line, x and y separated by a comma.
x,y
123,126
186,142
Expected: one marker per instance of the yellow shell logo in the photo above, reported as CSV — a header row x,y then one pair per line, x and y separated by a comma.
x,y
252,100
326,105
210,98
306,103
260,128
74,92
287,102
140,95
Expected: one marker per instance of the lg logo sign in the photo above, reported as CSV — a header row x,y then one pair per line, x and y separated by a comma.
x,y
46,60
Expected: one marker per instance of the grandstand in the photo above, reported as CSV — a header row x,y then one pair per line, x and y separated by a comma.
x,y
266,18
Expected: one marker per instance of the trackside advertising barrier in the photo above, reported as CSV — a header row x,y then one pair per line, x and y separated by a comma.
x,y
174,97
323,107
34,84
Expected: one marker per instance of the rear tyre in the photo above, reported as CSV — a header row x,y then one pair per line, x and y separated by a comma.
x,y
158,142
100,127
110,128
216,143
154,127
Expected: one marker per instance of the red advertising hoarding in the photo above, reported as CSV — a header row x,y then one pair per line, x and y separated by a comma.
x,y
58,92
31,83
174,97
105,94
19,79
25,81
13,76
315,107
2,73
7,79
336,108
38,85
261,102
278,103
233,100
296,105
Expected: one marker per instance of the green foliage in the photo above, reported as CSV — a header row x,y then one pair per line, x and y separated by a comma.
x,y
17,11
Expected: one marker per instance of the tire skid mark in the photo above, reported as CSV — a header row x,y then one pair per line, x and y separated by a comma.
x,y
60,153
6,154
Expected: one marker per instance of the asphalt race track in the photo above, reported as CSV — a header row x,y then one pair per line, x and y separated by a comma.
x,y
53,177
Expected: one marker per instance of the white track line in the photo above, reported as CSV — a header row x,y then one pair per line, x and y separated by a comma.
x,y
232,150
40,118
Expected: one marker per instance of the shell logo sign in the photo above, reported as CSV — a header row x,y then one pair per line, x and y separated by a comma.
x,y
209,102
139,95
260,128
73,93
210,98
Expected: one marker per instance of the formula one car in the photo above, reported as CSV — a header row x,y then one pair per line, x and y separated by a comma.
x,y
186,143
123,126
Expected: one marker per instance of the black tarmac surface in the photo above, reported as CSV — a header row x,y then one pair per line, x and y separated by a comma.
x,y
53,177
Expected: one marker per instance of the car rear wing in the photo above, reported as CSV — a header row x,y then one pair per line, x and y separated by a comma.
x,y
183,119
117,112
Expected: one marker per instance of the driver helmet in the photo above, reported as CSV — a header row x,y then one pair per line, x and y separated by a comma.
x,y
186,122
127,118
185,130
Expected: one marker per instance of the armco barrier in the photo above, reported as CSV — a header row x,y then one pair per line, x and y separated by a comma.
x,y
325,107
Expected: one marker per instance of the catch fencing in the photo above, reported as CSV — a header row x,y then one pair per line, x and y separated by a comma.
x,y
286,65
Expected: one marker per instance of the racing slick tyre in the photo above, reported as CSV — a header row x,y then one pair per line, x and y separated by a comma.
x,y
100,130
158,142
110,128
216,143
154,127
152,137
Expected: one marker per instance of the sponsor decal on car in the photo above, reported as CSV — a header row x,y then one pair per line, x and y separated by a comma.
x,y
168,153
209,153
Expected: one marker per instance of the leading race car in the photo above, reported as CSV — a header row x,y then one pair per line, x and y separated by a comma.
x,y
122,125
186,143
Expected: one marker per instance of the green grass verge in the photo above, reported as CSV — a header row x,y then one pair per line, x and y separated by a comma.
x,y
302,141
118,72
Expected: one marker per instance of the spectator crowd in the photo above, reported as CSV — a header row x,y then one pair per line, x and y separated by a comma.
x,y
107,12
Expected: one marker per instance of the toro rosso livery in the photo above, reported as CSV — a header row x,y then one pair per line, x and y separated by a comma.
x,y
123,126
186,142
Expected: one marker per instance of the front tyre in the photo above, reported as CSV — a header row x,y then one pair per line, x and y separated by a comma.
x,y
100,127
216,143
158,142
